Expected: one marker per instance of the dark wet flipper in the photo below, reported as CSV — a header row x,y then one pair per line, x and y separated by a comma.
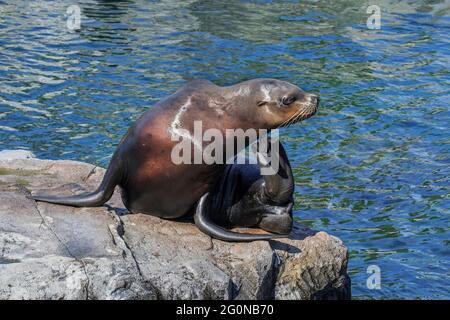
x,y
93,199
205,224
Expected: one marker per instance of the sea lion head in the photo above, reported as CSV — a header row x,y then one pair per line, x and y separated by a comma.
x,y
274,103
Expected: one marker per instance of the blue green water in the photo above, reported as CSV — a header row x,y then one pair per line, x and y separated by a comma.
x,y
372,167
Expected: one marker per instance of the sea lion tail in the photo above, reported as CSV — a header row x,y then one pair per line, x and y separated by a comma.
x,y
91,199
203,222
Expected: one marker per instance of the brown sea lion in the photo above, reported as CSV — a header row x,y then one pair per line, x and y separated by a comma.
x,y
221,195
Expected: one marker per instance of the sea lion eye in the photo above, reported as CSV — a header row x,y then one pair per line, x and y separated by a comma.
x,y
287,100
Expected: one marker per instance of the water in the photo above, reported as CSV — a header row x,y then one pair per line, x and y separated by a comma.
x,y
372,167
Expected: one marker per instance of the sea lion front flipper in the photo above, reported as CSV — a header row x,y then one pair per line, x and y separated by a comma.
x,y
204,223
277,192
279,187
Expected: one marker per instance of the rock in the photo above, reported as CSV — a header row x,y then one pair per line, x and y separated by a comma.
x,y
16,154
51,251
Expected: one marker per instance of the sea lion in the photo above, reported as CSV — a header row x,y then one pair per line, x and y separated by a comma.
x,y
151,183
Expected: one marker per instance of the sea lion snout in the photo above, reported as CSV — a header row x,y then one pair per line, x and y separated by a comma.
x,y
304,107
309,105
313,101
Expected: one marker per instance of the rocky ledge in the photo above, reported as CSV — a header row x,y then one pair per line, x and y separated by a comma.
x,y
56,252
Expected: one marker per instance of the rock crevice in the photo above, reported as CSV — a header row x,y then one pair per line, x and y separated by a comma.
x,y
67,249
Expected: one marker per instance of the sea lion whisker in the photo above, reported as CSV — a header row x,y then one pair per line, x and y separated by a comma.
x,y
296,118
299,113
286,123
300,117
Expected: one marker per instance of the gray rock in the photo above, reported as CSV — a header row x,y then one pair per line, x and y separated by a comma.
x,y
56,252
16,154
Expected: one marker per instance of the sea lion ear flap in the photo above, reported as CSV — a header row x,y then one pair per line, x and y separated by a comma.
x,y
261,103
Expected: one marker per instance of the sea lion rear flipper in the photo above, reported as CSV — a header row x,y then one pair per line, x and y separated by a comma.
x,y
93,199
204,223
